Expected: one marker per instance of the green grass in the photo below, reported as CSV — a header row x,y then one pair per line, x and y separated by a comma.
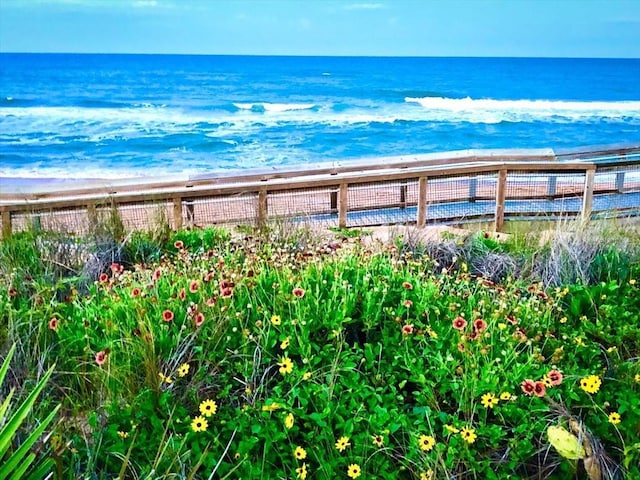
x,y
408,351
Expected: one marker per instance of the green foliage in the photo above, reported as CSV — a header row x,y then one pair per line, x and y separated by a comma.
x,y
216,354
16,459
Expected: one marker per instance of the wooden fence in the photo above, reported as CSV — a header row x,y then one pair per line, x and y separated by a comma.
x,y
452,187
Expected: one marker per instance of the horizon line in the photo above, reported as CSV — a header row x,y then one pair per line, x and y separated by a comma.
x,y
316,55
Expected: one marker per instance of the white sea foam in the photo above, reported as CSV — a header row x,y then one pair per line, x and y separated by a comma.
x,y
274,107
490,110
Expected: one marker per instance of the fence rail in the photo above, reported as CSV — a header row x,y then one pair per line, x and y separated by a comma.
x,y
463,186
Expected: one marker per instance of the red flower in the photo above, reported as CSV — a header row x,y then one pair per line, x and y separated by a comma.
x,y
226,284
512,320
539,389
479,325
543,295
157,274
193,286
528,387
407,329
101,357
167,315
407,303
473,335
459,323
103,278
298,292
183,294
13,292
226,292
135,292
199,319
53,323
555,377
116,268
211,302
407,285
179,244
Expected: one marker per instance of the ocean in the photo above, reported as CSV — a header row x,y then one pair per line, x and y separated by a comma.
x,y
113,116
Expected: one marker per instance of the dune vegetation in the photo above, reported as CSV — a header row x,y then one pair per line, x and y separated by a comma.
x,y
289,353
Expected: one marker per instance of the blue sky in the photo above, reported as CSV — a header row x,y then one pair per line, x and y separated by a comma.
x,y
541,28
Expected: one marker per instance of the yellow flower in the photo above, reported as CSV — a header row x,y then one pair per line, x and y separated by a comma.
x,y
164,379
122,434
353,471
183,370
208,408
199,424
505,396
270,408
300,453
489,400
288,421
306,376
286,365
614,417
342,444
428,475
431,332
451,429
637,378
563,320
468,434
590,384
378,440
285,343
632,281
275,320
426,442
301,472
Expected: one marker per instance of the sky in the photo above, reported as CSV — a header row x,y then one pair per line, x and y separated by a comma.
x,y
504,28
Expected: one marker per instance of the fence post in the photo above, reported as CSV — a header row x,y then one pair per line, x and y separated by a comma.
x,y
262,208
473,188
342,205
552,186
177,213
422,202
501,193
587,199
6,223
403,195
620,181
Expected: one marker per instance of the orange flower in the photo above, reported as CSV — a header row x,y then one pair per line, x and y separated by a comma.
x,y
479,325
101,357
459,323
193,286
53,323
167,315
555,376
539,389
135,292
528,387
199,320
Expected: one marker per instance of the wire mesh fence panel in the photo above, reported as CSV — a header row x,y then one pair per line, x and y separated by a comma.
x,y
460,198
137,216
543,194
309,201
304,206
72,221
222,210
617,191
382,203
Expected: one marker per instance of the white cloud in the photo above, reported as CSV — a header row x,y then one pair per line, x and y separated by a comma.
x,y
364,6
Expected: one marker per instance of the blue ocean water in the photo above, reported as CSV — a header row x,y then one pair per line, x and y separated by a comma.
x,y
109,116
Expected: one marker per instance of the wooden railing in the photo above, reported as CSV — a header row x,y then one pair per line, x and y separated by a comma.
x,y
450,187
